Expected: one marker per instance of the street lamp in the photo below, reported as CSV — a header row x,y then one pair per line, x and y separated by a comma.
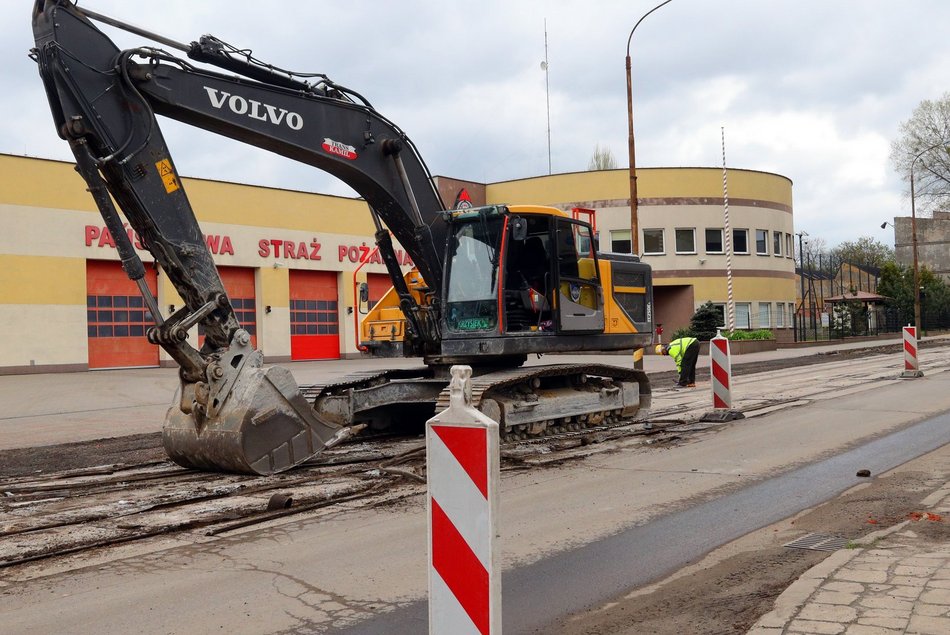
x,y
801,258
634,223
913,234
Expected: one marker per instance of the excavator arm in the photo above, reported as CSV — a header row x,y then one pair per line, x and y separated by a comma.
x,y
231,413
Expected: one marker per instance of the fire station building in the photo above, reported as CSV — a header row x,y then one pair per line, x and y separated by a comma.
x,y
289,260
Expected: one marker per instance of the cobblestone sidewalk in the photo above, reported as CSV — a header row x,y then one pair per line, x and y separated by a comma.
x,y
895,581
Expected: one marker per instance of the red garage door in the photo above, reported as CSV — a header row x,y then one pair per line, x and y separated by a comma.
x,y
379,284
239,285
117,318
314,316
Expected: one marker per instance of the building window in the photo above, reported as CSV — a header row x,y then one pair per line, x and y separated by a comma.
x,y
780,315
789,248
685,241
653,241
740,241
765,315
762,242
620,241
314,317
117,316
777,243
714,241
743,315
721,310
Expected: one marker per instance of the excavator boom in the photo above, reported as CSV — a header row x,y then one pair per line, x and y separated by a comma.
x,y
231,413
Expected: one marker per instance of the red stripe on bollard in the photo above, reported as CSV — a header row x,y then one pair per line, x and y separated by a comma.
x,y
460,568
470,448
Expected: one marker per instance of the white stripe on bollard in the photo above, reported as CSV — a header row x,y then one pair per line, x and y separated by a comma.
x,y
911,364
463,474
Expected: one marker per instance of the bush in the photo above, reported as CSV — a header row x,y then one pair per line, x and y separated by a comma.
x,y
760,334
682,332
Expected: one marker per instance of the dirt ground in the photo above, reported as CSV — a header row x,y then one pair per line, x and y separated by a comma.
x,y
733,587
143,448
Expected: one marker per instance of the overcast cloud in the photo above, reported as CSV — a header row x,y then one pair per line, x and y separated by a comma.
x,y
811,89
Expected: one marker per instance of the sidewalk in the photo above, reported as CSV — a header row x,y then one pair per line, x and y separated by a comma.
x,y
894,581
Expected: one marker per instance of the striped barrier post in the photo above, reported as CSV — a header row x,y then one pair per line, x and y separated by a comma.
x,y
720,372
911,364
463,476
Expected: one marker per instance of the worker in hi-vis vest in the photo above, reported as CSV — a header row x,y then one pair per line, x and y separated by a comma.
x,y
685,352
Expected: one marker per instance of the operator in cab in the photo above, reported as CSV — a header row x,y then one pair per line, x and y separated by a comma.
x,y
685,352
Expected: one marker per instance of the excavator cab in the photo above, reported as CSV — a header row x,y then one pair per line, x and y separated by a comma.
x,y
521,271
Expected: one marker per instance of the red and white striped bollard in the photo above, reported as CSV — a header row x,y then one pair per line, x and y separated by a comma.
x,y
720,371
911,363
463,475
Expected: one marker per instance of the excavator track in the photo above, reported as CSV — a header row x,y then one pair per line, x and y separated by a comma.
x,y
527,402
536,401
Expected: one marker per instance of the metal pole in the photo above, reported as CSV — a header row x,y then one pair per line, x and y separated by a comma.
x,y
801,259
913,240
634,221
547,91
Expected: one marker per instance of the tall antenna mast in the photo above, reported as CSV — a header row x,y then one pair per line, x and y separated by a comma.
x,y
547,90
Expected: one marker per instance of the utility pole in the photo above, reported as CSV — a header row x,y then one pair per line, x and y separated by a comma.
x,y
634,220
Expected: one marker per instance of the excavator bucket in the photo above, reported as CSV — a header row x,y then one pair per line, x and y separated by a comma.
x,y
261,425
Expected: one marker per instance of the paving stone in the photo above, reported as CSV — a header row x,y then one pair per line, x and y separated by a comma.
x,y
890,603
936,596
910,592
828,613
834,597
903,580
942,574
862,629
899,623
938,584
917,561
870,577
811,626
843,587
905,615
917,572
924,625
930,610
765,630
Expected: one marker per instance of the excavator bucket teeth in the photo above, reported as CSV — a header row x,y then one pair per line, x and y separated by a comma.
x,y
265,426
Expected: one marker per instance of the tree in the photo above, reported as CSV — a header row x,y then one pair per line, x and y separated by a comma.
x,y
705,321
602,159
927,135
864,251
897,284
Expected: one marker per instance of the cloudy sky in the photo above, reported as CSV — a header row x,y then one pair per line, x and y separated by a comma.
x,y
811,89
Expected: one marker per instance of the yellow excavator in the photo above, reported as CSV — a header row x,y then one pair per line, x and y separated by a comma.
x,y
490,285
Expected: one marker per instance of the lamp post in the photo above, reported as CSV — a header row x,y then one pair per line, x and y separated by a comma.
x,y
801,259
913,241
913,229
634,223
